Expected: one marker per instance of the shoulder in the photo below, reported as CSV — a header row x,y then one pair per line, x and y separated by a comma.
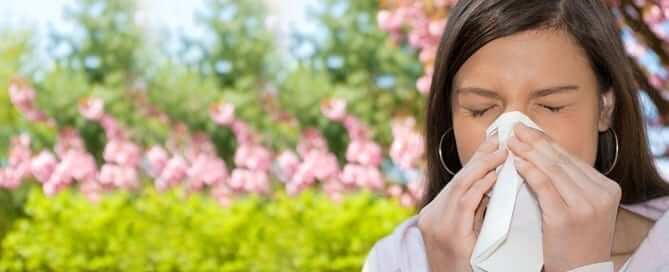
x,y
653,253
402,250
653,209
660,231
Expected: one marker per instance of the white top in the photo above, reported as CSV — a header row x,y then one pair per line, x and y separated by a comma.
x,y
404,251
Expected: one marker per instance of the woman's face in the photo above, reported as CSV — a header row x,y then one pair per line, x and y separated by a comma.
x,y
543,74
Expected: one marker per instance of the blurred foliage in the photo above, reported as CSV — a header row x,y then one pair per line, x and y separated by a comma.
x,y
105,41
11,208
12,53
238,48
148,232
105,56
352,49
354,60
16,53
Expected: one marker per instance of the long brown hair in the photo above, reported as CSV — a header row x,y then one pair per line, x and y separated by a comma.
x,y
474,23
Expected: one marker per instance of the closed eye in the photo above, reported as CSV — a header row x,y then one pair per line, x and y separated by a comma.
x,y
553,109
479,113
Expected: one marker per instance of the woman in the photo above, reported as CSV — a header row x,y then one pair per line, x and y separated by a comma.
x,y
561,63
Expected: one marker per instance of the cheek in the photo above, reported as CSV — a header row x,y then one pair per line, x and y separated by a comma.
x,y
468,135
578,138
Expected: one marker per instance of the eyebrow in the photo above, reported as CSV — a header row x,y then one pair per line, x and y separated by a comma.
x,y
535,94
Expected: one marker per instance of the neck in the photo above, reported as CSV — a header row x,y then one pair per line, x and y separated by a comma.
x,y
630,230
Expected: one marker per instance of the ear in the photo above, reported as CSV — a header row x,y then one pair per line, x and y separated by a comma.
x,y
608,101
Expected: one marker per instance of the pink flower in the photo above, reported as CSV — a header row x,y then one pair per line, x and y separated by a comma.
x,y
68,139
394,191
334,109
112,128
238,177
351,173
407,200
249,181
108,174
157,160
91,189
362,176
92,108
258,182
206,170
437,27
653,15
334,189
126,177
355,128
123,177
200,144
35,115
10,178
122,152
222,113
424,84
408,145
23,98
287,164
61,177
20,151
389,21
222,194
325,164
3,177
253,157
21,95
416,188
82,165
311,139
174,172
371,179
656,81
43,165
634,48
52,188
427,54
242,132
304,176
364,152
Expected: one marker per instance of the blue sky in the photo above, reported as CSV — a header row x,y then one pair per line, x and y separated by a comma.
x,y
158,16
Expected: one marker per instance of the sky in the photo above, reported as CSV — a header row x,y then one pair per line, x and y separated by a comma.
x,y
159,16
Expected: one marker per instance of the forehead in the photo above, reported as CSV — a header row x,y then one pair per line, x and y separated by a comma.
x,y
527,60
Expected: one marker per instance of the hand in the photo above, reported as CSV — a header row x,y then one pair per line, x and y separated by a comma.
x,y
579,205
449,223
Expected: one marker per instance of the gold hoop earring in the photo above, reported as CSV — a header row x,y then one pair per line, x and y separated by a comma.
x,y
615,158
441,157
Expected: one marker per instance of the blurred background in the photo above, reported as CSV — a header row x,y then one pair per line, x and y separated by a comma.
x,y
231,135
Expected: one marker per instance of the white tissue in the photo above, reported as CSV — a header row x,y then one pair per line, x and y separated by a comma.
x,y
510,237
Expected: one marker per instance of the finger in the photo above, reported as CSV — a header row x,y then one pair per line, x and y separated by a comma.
x,y
601,182
537,150
585,180
549,198
489,145
471,200
477,169
585,168
480,214
596,180
577,177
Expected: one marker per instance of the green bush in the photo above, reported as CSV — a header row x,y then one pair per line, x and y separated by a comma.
x,y
173,232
